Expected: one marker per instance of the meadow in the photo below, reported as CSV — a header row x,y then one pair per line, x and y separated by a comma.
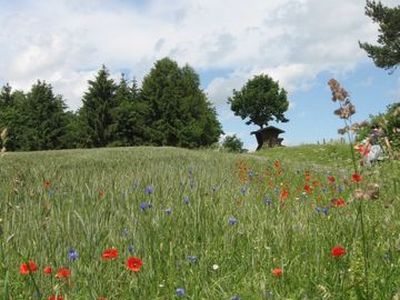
x,y
199,224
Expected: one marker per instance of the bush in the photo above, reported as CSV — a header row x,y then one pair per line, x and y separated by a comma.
x,y
389,122
232,143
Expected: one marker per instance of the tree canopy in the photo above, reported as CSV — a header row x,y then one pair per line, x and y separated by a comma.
x,y
179,113
261,100
232,143
169,109
387,53
98,102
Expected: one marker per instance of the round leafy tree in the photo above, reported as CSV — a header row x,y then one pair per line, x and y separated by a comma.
x,y
261,100
232,144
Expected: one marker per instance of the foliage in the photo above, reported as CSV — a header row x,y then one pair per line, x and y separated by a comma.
x,y
129,116
36,120
169,109
261,100
98,103
388,121
233,144
179,113
387,53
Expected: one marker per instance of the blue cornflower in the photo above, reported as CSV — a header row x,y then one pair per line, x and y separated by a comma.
x,y
180,292
267,201
145,205
192,259
168,211
232,221
186,199
149,190
131,249
51,192
276,190
251,174
236,297
323,210
125,232
73,254
340,188
243,190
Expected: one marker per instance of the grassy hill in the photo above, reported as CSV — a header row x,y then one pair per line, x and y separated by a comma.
x,y
213,224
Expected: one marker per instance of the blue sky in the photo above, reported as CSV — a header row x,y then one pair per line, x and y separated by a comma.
x,y
311,117
300,43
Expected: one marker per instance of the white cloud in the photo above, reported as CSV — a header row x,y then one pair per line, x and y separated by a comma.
x,y
66,41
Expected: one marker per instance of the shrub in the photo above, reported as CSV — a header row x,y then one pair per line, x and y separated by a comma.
x,y
232,143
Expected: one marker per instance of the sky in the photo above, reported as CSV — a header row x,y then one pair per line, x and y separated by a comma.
x,y
299,43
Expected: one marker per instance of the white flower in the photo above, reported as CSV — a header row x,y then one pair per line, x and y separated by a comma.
x,y
215,267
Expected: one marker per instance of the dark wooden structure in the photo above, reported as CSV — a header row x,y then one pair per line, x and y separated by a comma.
x,y
268,137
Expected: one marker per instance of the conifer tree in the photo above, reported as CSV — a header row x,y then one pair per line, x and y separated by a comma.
x,y
96,112
45,122
128,115
387,53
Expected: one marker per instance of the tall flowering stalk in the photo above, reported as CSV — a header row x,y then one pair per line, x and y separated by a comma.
x,y
345,111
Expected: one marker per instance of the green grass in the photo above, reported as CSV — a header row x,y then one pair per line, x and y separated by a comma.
x,y
329,155
42,224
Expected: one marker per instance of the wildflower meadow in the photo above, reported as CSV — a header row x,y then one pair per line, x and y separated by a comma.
x,y
168,223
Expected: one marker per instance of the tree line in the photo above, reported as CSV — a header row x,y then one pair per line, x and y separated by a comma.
x,y
169,109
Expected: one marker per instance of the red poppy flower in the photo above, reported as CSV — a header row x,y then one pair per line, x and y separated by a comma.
x,y
356,178
363,150
308,189
338,251
27,268
102,194
277,272
331,179
316,183
47,270
63,273
283,195
134,264
110,254
47,184
307,175
55,298
338,202
277,164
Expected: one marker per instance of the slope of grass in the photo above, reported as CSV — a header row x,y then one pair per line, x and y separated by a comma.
x,y
329,155
214,224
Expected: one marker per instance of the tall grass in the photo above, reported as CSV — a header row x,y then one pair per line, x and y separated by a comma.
x,y
90,200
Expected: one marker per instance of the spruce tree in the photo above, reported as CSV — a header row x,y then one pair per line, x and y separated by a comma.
x,y
96,112
128,115
45,118
5,96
